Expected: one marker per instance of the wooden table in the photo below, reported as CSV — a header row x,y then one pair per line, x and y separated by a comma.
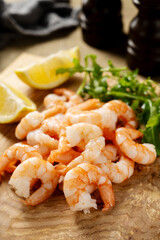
x,y
136,213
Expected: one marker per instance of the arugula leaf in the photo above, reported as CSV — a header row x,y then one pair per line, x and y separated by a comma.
x,y
77,68
141,96
152,131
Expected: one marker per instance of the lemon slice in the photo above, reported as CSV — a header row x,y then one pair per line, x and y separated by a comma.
x,y
13,104
43,75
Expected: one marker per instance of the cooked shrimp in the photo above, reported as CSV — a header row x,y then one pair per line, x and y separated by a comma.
x,y
62,96
92,112
62,157
117,172
28,123
79,184
96,154
52,126
72,97
61,171
57,129
79,134
25,175
86,106
72,158
48,133
63,143
33,120
17,152
54,111
52,99
37,136
113,111
140,153
83,113
123,112
60,168
101,155
92,151
75,135
64,154
96,147
105,117
43,150
110,152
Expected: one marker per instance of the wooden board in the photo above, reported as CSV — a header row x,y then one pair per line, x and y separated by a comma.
x,y
136,214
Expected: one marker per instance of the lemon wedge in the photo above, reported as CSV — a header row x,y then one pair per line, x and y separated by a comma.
x,y
42,75
13,104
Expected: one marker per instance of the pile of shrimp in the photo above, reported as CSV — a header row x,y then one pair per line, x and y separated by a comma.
x,y
80,146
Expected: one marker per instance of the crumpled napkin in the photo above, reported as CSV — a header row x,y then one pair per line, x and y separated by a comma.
x,y
36,18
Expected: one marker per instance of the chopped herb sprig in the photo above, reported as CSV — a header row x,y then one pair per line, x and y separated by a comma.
x,y
141,96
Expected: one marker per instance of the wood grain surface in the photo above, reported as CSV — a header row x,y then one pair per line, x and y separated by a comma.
x,y
136,214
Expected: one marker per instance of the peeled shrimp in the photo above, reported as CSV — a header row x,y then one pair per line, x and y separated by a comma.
x,y
62,96
72,97
79,184
49,128
17,152
92,112
53,125
86,106
52,100
105,117
62,157
123,112
117,172
47,135
43,150
140,153
84,113
37,136
91,153
58,109
29,122
61,171
95,154
64,154
33,120
76,135
97,146
110,152
27,173
79,134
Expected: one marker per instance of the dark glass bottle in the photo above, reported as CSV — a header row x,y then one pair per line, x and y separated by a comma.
x,y
101,22
143,50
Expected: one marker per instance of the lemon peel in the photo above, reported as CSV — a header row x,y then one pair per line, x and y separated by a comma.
x,y
42,75
13,104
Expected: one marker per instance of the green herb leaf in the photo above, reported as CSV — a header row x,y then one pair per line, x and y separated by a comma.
x,y
152,131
